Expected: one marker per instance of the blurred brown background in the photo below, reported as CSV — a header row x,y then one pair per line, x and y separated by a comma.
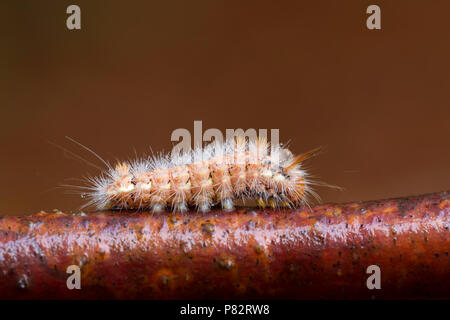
x,y
378,100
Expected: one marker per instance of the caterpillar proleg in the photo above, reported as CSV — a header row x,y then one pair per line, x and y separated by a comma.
x,y
219,174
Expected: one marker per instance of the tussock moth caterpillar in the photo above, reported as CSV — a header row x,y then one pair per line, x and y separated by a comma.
x,y
219,174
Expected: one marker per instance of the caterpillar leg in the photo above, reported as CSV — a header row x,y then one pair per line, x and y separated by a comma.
x,y
260,202
180,207
158,207
285,204
227,204
204,206
272,202
278,201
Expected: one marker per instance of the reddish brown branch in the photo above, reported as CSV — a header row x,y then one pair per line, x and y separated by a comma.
x,y
318,253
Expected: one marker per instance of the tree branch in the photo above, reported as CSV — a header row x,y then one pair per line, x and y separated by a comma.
x,y
323,252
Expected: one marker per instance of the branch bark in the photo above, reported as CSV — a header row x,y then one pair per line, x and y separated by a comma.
x,y
323,252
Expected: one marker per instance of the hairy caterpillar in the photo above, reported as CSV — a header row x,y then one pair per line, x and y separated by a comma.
x,y
219,174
